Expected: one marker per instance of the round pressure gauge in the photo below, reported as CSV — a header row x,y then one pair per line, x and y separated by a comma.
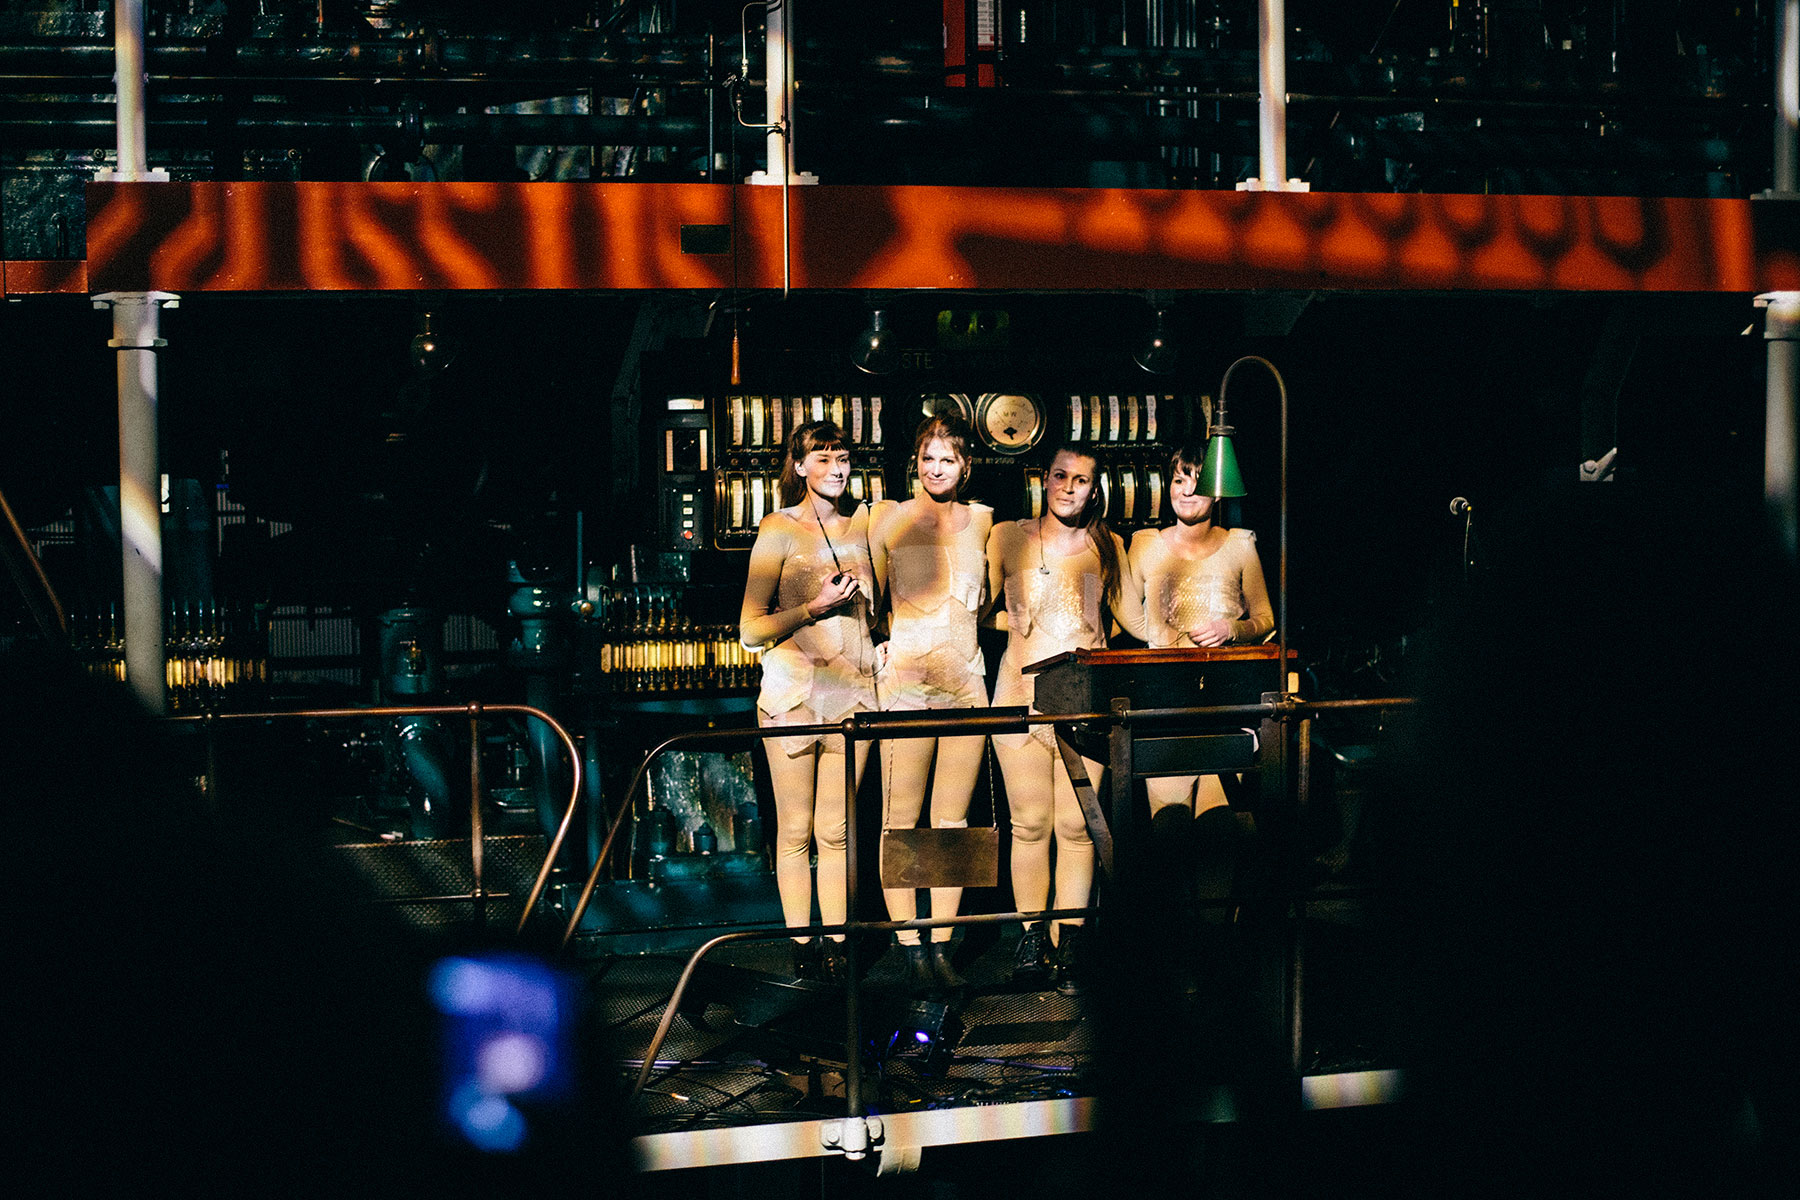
x,y
1009,424
948,404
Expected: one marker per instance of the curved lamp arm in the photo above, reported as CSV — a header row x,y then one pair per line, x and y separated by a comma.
x,y
1282,611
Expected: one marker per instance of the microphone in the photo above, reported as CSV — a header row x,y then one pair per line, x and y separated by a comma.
x,y
1459,507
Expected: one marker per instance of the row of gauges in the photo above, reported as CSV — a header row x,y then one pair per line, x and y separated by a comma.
x,y
1006,422
1130,493
743,498
765,422
1009,423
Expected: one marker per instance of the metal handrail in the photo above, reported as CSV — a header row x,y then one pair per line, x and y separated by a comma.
x,y
877,727
475,710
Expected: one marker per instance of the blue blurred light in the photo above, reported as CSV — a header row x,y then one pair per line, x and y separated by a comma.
x,y
490,1123
511,1062
921,1037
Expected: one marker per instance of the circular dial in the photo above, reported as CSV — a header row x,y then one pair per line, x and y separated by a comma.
x,y
1010,424
947,404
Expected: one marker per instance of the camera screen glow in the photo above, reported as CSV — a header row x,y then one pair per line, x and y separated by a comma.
x,y
507,1019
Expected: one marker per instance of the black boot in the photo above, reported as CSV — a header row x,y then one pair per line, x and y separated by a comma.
x,y
1070,960
942,968
1031,961
920,978
836,961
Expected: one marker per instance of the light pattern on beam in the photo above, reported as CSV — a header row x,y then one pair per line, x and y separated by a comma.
x,y
503,236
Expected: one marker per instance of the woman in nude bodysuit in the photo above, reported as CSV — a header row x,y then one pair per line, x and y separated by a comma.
x,y
806,606
929,557
1202,586
1055,572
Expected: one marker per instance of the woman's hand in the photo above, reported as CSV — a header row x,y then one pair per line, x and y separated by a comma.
x,y
838,590
1213,633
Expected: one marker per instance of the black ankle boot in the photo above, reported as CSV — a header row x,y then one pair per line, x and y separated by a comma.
x,y
836,960
942,968
1071,961
1031,961
920,978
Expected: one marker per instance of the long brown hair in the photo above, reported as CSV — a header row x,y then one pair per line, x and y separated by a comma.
x,y
1099,533
814,435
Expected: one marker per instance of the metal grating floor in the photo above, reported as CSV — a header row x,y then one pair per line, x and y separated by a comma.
x,y
395,871
752,1045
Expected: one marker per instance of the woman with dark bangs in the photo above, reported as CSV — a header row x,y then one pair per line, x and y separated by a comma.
x,y
1058,575
930,560
1203,586
806,607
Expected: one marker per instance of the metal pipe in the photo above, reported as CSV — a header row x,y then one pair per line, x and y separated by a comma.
x,y
575,57
777,90
135,328
1281,612
128,83
852,994
34,585
1787,99
475,790
1781,446
1781,329
1271,78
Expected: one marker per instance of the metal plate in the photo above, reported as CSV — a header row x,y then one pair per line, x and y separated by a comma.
x,y
928,858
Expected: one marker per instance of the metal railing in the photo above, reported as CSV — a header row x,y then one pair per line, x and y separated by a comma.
x,y
475,711
945,723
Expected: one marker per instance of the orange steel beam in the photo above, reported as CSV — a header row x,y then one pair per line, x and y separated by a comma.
x,y
290,237
36,276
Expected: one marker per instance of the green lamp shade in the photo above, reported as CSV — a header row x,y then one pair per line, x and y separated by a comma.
x,y
1219,475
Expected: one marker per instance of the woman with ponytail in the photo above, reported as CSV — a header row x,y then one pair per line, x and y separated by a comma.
x,y
1058,574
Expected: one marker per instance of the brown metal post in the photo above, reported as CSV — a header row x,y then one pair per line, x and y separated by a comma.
x,y
475,839
852,1005
212,763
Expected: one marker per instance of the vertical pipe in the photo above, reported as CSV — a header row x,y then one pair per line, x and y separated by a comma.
x,y
135,339
778,23
475,788
135,326
852,999
128,55
1787,98
212,761
1781,330
712,111
1271,141
1782,327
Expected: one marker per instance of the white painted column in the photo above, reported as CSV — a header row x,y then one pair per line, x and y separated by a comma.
x,y
1271,115
136,319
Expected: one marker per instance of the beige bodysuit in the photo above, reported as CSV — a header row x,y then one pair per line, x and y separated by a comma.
x,y
1052,605
935,591
823,670
1182,594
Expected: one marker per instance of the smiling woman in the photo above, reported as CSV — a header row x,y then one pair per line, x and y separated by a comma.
x,y
806,606
928,554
